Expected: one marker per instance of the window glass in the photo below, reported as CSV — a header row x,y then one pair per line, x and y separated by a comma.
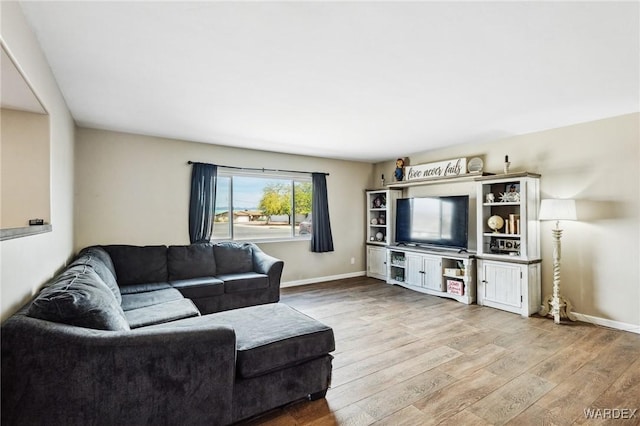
x,y
221,224
271,207
302,201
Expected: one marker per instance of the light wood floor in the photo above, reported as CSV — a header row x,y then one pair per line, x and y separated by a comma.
x,y
405,358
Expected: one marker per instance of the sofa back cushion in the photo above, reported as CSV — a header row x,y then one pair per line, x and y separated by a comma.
x,y
79,297
193,261
233,257
91,258
139,264
101,254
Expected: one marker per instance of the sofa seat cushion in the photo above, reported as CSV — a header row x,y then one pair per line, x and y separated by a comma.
x,y
143,288
161,313
197,288
235,283
79,297
274,336
192,261
149,298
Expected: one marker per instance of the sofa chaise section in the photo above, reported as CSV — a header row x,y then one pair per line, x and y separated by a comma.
x,y
282,355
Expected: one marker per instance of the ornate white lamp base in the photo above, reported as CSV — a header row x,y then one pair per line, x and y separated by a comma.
x,y
559,307
555,304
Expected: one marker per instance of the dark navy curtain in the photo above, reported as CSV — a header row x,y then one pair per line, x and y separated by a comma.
x,y
203,202
321,239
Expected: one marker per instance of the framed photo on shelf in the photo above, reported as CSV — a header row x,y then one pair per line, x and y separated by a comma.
x,y
510,188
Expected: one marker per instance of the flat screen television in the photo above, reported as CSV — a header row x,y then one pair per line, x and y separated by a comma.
x,y
433,221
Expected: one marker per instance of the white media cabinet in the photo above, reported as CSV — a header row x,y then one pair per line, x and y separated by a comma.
x,y
437,272
504,270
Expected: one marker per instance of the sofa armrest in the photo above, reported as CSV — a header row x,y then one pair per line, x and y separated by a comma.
x,y
59,374
269,265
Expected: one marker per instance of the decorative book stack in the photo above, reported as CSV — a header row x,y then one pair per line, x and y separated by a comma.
x,y
512,224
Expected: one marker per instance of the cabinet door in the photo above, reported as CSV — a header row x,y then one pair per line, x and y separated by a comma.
x,y
376,262
502,286
414,272
432,273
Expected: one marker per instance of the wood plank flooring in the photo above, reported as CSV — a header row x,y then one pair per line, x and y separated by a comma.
x,y
406,358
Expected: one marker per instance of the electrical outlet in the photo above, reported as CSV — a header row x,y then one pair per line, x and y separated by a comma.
x,y
353,260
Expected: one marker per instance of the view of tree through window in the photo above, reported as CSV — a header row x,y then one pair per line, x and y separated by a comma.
x,y
262,208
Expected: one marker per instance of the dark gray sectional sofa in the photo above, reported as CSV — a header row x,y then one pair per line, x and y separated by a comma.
x,y
161,335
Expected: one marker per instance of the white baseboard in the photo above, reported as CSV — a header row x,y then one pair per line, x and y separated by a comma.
x,y
322,279
608,323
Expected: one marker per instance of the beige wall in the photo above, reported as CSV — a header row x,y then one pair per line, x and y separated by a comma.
x,y
597,163
26,263
133,189
24,149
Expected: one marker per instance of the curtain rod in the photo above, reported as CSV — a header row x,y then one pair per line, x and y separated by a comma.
x,y
260,170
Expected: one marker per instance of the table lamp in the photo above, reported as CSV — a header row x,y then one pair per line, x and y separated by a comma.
x,y
555,304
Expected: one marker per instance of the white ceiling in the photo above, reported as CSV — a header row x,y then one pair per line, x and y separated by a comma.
x,y
368,81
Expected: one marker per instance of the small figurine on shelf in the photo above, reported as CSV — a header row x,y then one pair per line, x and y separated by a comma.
x,y
399,173
379,202
511,194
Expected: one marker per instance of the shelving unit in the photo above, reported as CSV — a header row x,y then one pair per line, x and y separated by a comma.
x,y
380,229
509,257
380,216
519,236
397,266
439,273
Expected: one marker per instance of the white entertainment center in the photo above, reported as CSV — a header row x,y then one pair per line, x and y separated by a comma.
x,y
501,270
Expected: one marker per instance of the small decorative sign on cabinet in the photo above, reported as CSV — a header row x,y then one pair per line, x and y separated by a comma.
x,y
455,287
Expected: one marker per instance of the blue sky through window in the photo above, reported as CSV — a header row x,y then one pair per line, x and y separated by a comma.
x,y
247,192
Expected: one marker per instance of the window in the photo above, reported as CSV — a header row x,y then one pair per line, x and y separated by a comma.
x,y
262,206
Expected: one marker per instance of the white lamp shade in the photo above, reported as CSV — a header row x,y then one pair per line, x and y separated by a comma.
x,y
558,210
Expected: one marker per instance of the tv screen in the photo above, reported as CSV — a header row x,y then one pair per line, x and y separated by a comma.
x,y
433,221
